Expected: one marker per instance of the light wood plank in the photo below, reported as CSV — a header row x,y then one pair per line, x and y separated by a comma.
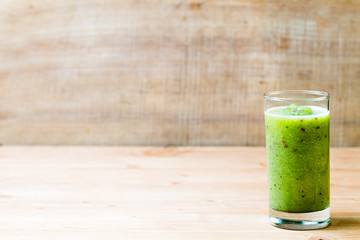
x,y
170,72
156,193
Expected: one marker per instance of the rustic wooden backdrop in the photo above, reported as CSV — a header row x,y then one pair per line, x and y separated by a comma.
x,y
169,72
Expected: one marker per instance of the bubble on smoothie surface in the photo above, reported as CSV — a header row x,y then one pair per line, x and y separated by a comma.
x,y
294,109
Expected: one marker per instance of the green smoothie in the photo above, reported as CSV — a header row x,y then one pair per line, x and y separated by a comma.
x,y
297,145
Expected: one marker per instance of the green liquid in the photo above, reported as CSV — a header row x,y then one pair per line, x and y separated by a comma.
x,y
297,146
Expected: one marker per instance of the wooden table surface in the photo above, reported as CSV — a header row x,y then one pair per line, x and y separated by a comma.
x,y
156,193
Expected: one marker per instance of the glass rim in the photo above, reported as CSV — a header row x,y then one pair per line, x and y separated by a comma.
x,y
319,96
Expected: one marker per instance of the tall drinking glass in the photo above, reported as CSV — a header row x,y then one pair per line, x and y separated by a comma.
x,y
297,148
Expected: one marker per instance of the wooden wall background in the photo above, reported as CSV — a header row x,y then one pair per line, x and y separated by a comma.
x,y
169,72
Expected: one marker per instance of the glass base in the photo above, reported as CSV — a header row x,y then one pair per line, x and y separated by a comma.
x,y
300,221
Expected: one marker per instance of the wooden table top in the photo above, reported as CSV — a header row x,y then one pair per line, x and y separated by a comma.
x,y
157,193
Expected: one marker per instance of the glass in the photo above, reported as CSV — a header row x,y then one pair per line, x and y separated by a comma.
x,y
297,148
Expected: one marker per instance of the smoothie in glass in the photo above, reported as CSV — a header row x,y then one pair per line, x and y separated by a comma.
x,y
297,145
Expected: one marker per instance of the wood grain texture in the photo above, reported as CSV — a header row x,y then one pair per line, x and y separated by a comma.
x,y
156,193
171,72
